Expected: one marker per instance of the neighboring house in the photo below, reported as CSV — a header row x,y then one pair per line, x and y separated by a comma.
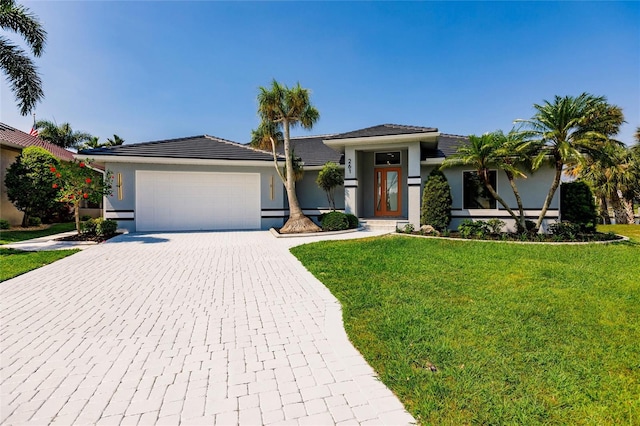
x,y
12,142
208,183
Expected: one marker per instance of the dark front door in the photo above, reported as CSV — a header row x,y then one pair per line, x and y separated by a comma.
x,y
387,192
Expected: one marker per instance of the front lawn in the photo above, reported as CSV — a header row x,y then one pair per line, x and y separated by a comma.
x,y
631,231
16,262
516,334
15,235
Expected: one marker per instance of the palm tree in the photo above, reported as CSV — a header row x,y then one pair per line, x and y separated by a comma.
x,y
21,72
280,108
62,135
92,142
115,141
493,150
564,130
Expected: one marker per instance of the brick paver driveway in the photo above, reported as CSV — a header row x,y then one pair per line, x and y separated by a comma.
x,y
189,328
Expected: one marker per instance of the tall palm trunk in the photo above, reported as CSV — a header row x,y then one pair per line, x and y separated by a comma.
x,y
604,210
487,183
522,219
552,191
622,209
297,222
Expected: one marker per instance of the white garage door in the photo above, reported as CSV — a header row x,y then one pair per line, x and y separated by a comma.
x,y
190,201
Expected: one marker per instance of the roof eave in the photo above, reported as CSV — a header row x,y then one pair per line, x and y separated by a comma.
x,y
340,144
102,159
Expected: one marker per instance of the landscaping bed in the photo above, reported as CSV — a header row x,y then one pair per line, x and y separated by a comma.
x,y
514,237
88,237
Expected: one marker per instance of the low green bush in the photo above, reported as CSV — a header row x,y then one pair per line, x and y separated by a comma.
x,y
495,225
566,230
353,221
408,228
106,227
85,217
34,221
4,224
468,228
99,227
335,221
530,227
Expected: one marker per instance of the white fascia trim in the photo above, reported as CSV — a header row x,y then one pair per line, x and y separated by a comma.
x,y
166,160
432,161
390,139
340,166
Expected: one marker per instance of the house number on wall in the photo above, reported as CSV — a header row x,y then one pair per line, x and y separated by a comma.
x,y
349,165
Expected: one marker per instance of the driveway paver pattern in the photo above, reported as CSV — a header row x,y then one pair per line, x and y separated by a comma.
x,y
182,328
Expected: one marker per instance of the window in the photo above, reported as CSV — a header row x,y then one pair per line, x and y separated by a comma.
x,y
475,195
387,158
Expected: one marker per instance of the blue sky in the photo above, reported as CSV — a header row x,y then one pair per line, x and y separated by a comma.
x,y
156,70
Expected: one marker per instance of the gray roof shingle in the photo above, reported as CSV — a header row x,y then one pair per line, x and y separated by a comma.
x,y
313,152
447,145
384,130
198,147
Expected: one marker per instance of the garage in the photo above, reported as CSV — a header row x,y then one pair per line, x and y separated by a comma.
x,y
193,201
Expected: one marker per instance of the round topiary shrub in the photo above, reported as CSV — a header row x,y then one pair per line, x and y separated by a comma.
x,y
353,221
335,221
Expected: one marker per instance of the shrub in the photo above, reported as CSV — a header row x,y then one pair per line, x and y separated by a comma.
x,y
88,227
4,224
353,221
335,221
495,225
436,201
106,227
99,227
577,205
34,221
530,225
85,217
30,184
408,228
565,230
329,178
468,228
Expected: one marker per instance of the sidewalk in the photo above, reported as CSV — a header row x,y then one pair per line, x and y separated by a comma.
x,y
49,243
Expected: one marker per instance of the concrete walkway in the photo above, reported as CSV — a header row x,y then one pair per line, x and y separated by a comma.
x,y
49,242
183,328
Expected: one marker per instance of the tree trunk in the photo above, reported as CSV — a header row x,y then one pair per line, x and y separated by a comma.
x,y
485,178
552,191
516,193
622,209
604,210
76,211
297,222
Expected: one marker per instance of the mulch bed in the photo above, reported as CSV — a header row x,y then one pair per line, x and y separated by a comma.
x,y
85,237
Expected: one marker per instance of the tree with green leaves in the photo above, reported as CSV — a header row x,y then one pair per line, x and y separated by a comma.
x,y
436,201
565,130
92,142
329,178
114,141
30,185
22,74
280,109
75,182
494,151
62,135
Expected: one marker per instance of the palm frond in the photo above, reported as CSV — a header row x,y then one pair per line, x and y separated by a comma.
x,y
22,76
18,19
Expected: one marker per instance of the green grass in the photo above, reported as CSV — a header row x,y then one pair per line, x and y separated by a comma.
x,y
519,334
631,231
13,236
17,262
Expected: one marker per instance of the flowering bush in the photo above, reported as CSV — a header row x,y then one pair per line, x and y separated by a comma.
x,y
76,182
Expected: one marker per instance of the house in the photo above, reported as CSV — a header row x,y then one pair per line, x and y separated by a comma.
x,y
208,183
12,142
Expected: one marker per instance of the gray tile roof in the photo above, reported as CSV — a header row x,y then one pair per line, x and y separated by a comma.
x,y
384,130
200,147
313,152
447,145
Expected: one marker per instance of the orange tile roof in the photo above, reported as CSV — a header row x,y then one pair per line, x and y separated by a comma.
x,y
15,137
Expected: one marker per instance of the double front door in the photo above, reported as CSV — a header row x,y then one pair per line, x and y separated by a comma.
x,y
387,191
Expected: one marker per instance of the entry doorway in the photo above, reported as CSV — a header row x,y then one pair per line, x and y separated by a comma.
x,y
387,191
